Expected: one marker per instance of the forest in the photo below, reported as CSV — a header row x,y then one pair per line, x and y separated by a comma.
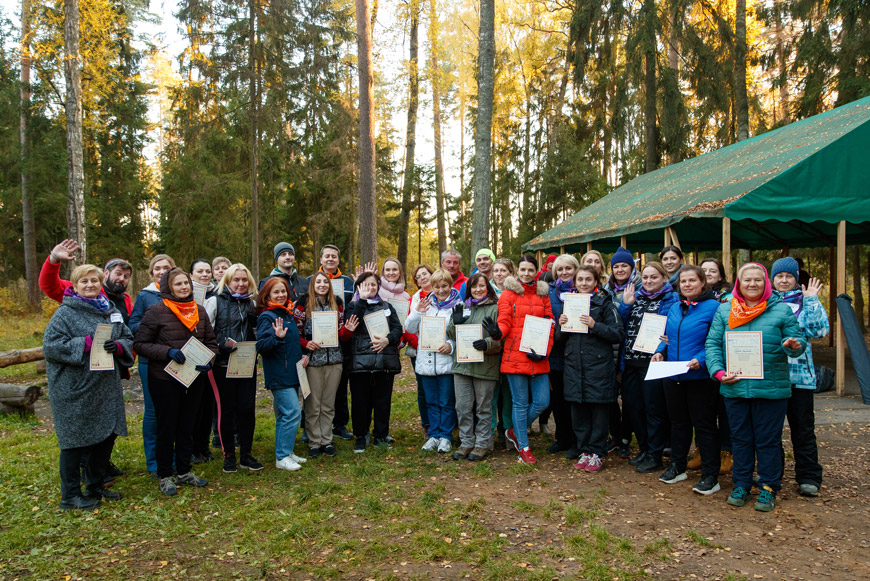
x,y
491,121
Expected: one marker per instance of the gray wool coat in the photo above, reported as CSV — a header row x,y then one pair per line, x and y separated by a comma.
x,y
87,406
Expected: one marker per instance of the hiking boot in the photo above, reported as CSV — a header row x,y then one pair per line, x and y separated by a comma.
x,y
250,463
582,462
342,433
229,464
444,445
766,499
594,464
382,442
287,463
808,489
167,486
360,445
297,459
330,450
694,462
706,486
478,454
572,453
101,492
192,479
526,456
637,460
672,476
511,438
431,445
315,451
556,447
726,462
462,453
738,496
650,464
80,503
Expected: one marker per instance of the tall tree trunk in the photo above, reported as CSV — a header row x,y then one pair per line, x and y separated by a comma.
x,y
31,266
255,139
75,213
462,216
740,71
367,197
857,291
784,113
483,130
440,211
649,9
410,135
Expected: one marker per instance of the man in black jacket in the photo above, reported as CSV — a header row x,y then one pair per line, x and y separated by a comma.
x,y
285,258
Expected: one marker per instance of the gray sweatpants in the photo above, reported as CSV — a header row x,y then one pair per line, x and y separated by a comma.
x,y
474,394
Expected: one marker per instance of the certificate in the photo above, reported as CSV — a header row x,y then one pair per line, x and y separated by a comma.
x,y
662,369
199,293
377,325
101,360
744,354
431,335
324,328
465,336
402,307
652,327
195,353
536,335
304,387
337,288
576,304
243,360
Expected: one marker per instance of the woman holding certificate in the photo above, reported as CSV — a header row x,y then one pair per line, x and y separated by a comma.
x,y
748,347
434,358
422,276
525,320
204,294
169,328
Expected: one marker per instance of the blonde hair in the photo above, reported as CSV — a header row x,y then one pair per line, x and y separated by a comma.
x,y
507,263
85,269
231,272
441,275
657,266
564,259
157,258
399,264
599,268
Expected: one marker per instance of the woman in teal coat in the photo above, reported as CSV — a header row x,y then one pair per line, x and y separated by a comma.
x,y
756,407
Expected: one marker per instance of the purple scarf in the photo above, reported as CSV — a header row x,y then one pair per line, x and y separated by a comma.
x,y
471,302
448,303
101,303
794,297
665,289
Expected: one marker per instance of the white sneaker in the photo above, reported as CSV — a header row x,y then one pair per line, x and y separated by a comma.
x,y
444,445
430,445
297,459
287,463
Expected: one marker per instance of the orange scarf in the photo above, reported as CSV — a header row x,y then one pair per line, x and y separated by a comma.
x,y
187,312
741,314
336,275
273,305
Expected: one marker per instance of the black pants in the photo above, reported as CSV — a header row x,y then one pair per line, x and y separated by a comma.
x,y
202,427
370,395
342,413
694,403
634,406
238,398
94,470
802,425
176,409
724,428
616,427
591,422
561,411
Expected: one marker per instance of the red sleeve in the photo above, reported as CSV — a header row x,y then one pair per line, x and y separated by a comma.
x,y
50,282
410,339
548,310
344,335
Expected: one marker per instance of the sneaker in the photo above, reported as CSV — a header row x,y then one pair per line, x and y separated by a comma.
x,y
572,453
153,474
342,433
808,489
766,499
726,462
191,479
478,454
556,447
359,446
297,459
594,464
641,456
196,459
694,462
650,464
444,445
389,439
526,456
738,496
611,445
229,464
382,442
330,450
462,453
511,438
582,462
624,451
167,486
101,492
315,451
250,463
287,463
431,445
706,486
80,503
672,476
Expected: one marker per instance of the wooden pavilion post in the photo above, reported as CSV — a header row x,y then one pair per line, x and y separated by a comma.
x,y
588,247
623,241
562,249
832,292
841,286
726,247
540,256
667,236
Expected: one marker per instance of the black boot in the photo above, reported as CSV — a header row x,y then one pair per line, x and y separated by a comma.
x,y
80,503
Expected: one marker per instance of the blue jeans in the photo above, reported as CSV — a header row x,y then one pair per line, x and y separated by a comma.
x,y
525,412
421,398
288,416
440,404
756,433
149,422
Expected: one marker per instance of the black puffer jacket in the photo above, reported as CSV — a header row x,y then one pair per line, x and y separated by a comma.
x,y
590,373
234,319
363,359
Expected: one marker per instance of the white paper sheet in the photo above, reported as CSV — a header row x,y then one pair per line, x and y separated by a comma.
x,y
662,369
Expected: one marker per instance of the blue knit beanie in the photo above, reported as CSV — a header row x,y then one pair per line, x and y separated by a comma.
x,y
787,264
622,255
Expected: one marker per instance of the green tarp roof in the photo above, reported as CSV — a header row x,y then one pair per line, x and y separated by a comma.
x,y
787,187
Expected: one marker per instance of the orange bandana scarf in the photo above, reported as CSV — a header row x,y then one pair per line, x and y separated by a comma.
x,y
273,305
187,312
336,275
741,314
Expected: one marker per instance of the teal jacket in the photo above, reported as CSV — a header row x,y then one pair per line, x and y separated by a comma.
x,y
777,323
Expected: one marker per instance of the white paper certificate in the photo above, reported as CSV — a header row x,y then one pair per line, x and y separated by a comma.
x,y
195,353
243,360
662,369
431,335
324,328
303,379
536,335
377,325
652,327
101,360
337,287
199,293
402,307
465,336
576,304
744,353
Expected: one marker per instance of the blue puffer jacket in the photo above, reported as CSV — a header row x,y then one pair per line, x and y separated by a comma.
x,y
280,355
813,320
557,354
147,297
686,330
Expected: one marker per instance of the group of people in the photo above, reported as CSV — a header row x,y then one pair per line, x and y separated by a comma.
x,y
581,377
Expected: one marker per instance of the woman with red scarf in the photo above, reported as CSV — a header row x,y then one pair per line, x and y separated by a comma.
x,y
165,328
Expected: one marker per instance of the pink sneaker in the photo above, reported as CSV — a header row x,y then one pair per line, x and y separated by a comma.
x,y
582,462
594,464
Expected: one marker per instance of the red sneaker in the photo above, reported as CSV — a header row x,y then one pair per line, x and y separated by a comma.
x,y
594,464
582,462
512,438
526,457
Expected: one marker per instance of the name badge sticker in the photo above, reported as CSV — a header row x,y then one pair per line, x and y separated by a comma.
x,y
116,318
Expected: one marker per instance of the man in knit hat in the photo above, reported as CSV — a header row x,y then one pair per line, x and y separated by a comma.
x,y
483,261
285,258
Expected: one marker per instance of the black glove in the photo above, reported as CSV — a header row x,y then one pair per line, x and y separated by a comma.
x,y
458,316
535,357
177,356
480,344
110,346
492,328
203,368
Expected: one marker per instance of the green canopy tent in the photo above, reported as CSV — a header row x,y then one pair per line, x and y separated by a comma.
x,y
803,185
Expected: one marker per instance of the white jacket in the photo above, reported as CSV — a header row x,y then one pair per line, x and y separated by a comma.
x,y
431,363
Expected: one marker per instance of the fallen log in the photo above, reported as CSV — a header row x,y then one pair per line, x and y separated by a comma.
x,y
18,356
19,395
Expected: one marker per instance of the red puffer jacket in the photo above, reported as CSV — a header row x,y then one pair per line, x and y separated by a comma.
x,y
513,306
